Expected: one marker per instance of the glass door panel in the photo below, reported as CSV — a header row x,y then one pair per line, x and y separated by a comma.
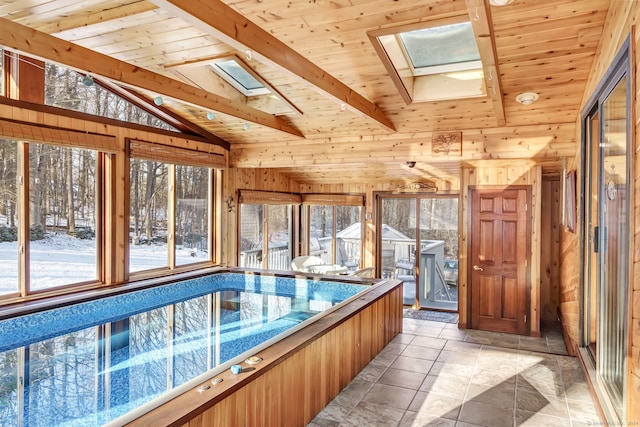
x,y
614,244
439,253
398,243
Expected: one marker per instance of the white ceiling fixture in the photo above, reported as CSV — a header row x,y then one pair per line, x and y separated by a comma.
x,y
500,2
527,98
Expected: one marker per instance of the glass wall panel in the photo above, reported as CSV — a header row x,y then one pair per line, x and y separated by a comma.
x,y
148,247
251,233
279,238
321,232
192,214
348,241
9,203
62,216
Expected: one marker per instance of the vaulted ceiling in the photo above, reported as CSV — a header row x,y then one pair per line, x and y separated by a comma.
x,y
336,114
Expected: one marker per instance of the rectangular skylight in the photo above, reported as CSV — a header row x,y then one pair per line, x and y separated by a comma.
x,y
239,77
441,49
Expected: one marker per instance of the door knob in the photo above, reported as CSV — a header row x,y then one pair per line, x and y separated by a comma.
x,y
478,268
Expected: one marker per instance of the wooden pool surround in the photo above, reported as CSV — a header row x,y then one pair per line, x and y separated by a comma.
x,y
299,375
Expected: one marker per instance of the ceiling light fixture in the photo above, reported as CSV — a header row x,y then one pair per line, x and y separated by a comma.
x,y
87,80
211,115
158,100
527,98
500,2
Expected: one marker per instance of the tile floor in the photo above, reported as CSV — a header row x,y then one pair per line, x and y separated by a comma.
x,y
434,374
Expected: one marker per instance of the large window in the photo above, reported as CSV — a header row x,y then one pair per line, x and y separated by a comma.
x,y
266,229
9,201
70,90
52,189
62,216
170,219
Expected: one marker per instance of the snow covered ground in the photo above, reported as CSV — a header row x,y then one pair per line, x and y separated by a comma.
x,y
61,260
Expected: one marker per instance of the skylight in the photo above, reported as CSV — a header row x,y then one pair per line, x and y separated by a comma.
x,y
240,77
441,49
432,61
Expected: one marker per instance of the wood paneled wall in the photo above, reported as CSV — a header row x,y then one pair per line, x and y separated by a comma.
x,y
550,223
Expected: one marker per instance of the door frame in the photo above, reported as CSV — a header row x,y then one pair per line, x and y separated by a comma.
x,y
529,225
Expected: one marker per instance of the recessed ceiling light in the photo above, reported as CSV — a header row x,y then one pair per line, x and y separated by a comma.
x,y
527,98
500,2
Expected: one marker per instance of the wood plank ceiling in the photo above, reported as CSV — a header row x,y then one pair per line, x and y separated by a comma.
x,y
351,124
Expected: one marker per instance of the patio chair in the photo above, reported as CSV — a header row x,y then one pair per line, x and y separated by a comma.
x,y
364,272
302,263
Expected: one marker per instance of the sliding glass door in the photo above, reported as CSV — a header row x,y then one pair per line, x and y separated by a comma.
x,y
418,244
606,236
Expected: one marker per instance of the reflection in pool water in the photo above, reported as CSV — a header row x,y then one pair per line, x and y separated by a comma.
x,y
93,373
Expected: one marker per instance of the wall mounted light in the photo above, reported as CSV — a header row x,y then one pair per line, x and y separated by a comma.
x,y
246,126
211,115
527,98
230,205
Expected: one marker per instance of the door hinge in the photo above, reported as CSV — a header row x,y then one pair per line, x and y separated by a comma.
x,y
525,318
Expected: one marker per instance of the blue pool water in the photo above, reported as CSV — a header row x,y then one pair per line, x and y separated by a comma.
x,y
88,364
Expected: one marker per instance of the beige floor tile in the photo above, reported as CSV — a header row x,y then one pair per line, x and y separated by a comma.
x,y
428,342
439,375
390,396
539,403
418,352
532,419
372,414
413,364
436,405
450,385
420,419
484,414
501,395
402,378
353,393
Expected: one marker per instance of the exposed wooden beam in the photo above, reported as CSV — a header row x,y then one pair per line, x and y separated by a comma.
x,y
164,114
224,23
480,16
46,47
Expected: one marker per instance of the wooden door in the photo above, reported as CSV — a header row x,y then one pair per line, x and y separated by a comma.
x,y
498,262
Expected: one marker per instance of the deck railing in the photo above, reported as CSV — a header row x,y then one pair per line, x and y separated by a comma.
x,y
279,258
